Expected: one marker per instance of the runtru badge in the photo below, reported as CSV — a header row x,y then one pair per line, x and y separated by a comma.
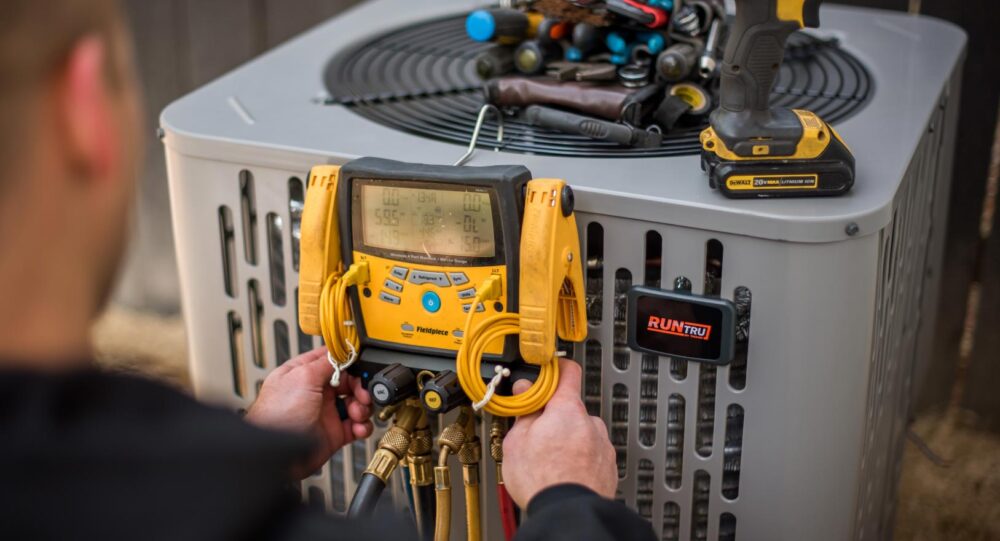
x,y
681,325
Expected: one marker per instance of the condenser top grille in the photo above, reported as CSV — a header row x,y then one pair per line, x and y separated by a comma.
x,y
421,79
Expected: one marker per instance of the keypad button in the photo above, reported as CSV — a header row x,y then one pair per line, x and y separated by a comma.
x,y
458,278
431,301
467,293
418,277
399,272
479,308
385,297
406,327
393,285
457,333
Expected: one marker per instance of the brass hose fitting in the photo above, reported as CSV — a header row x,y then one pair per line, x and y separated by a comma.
x,y
442,490
422,476
470,453
391,449
498,430
394,443
419,455
387,412
450,441
421,470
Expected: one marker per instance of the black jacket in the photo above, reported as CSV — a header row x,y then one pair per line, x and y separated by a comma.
x,y
95,456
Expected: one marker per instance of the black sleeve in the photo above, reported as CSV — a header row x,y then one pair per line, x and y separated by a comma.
x,y
306,524
107,457
576,513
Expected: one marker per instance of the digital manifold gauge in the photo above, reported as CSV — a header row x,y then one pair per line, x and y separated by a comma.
x,y
430,234
421,240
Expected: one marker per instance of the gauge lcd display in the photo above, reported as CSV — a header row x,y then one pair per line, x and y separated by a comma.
x,y
435,222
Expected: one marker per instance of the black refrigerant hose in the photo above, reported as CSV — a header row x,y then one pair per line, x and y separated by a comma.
x,y
425,495
366,496
391,450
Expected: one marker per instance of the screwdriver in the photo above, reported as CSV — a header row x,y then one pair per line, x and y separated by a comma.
x,y
594,128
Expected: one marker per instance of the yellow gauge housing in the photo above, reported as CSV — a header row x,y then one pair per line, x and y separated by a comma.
x,y
394,305
431,236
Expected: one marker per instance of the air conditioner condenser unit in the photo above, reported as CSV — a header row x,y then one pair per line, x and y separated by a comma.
x,y
799,438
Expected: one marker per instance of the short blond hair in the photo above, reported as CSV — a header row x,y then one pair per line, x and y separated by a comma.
x,y
36,36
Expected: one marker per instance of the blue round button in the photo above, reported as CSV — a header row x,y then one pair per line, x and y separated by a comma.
x,y
431,301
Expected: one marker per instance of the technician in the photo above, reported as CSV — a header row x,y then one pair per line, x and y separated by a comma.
x,y
86,454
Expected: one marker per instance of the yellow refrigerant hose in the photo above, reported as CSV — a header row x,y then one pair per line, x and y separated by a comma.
x,y
451,440
442,491
469,455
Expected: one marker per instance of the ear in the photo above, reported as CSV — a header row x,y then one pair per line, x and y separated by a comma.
x,y
85,109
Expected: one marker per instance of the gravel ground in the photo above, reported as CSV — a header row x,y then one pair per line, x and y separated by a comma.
x,y
951,493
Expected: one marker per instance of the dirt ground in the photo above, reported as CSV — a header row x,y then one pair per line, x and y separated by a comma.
x,y
950,488
956,495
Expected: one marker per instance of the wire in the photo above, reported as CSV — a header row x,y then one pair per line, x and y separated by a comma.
x,y
468,361
363,503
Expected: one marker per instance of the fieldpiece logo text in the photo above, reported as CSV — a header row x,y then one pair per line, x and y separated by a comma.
x,y
430,330
677,327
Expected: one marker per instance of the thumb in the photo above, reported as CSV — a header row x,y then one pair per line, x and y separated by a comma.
x,y
570,382
317,372
523,421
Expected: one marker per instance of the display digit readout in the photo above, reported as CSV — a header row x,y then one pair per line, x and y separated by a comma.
x,y
428,221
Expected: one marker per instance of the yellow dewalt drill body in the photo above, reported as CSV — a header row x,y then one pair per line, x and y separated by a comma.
x,y
752,149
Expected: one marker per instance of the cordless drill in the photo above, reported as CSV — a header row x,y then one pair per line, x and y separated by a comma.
x,y
752,149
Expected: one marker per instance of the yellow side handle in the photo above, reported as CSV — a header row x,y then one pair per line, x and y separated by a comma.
x,y
551,279
319,245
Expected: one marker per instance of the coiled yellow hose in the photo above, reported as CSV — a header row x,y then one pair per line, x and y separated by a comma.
x,y
468,362
335,315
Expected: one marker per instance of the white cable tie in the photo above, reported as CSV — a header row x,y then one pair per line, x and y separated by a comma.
x,y
349,323
491,387
561,354
340,367
335,378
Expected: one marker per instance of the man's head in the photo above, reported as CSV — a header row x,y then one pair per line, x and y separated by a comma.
x,y
68,153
